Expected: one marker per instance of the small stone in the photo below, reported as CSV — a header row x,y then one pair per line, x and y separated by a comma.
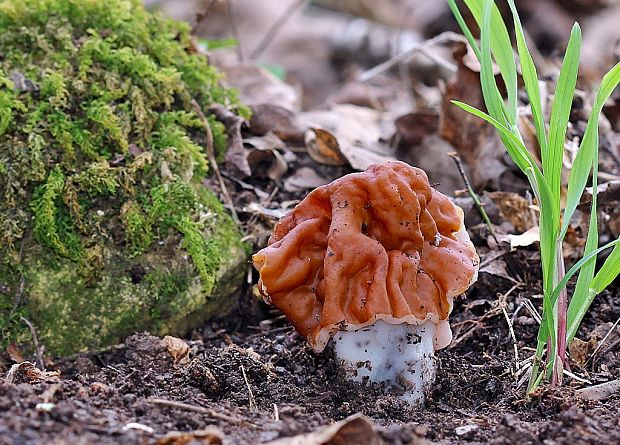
x,y
465,429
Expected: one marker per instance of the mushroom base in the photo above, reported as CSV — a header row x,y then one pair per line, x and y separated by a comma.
x,y
402,354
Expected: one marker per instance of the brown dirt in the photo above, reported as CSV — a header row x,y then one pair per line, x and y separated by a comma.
x,y
100,393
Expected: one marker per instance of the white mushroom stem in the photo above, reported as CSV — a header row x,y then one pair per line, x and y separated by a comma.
x,y
399,353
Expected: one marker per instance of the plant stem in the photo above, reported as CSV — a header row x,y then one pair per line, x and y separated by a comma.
x,y
562,307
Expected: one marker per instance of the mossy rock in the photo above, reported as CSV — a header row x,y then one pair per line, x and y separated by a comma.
x,y
106,224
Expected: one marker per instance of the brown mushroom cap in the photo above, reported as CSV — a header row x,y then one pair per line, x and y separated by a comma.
x,y
381,244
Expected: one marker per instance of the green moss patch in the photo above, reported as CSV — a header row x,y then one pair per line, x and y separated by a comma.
x,y
105,223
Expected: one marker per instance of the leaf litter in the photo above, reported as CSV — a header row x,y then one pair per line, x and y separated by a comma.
x,y
248,378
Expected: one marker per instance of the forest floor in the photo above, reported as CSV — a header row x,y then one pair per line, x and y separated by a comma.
x,y
249,378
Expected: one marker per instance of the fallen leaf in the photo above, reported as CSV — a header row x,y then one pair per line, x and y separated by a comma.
x,y
412,128
26,372
177,348
14,353
304,179
278,120
235,154
474,140
323,147
359,133
525,239
258,86
580,350
355,430
513,208
264,158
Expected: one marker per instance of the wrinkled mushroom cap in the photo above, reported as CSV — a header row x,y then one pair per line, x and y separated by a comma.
x,y
381,244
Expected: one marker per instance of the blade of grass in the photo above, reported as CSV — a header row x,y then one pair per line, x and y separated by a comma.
x,y
608,272
466,31
501,49
560,113
589,145
530,79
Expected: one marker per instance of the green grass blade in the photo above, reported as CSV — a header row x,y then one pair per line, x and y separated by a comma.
x,y
492,97
501,49
590,258
530,79
560,113
608,272
517,151
588,149
466,31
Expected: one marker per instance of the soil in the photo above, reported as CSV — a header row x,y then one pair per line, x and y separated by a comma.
x,y
255,379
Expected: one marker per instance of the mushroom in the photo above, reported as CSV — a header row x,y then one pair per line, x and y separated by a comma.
x,y
373,262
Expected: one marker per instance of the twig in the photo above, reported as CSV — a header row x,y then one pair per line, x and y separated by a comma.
x,y
232,19
276,413
200,409
472,194
602,342
275,28
252,401
510,328
404,56
35,340
213,162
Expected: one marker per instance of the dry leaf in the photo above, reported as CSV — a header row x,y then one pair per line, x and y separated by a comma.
x,y
304,179
359,133
323,147
26,372
177,348
525,239
513,208
209,436
235,154
355,430
14,353
278,120
258,86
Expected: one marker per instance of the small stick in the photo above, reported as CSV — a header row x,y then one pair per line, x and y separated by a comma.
x,y
276,413
510,328
35,340
275,28
199,409
472,194
212,161
232,19
252,401
602,342
404,56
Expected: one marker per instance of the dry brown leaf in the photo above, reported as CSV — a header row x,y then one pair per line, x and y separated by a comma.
x,y
323,147
513,208
580,350
26,372
14,353
208,436
355,430
278,120
474,140
177,348
412,128
360,133
235,154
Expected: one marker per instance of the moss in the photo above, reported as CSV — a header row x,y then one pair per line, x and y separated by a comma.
x,y
102,163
